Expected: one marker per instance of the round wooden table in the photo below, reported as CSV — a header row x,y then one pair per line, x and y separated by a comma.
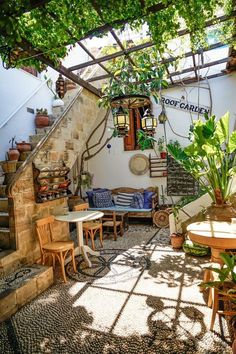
x,y
78,217
218,235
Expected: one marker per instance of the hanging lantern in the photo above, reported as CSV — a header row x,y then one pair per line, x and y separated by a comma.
x,y
162,118
121,121
148,122
60,86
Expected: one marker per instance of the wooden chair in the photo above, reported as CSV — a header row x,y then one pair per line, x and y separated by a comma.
x,y
90,227
111,223
56,249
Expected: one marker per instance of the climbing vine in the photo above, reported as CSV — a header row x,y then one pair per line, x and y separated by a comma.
x,y
53,26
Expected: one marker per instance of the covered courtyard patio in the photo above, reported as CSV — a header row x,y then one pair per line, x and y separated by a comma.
x,y
118,188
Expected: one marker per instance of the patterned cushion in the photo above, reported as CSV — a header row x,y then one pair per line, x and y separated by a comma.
x,y
91,193
138,200
102,199
147,199
124,199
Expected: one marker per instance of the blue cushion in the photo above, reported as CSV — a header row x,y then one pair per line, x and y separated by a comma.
x,y
102,199
138,200
147,199
91,193
90,198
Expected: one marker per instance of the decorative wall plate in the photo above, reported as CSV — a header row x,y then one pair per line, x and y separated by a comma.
x,y
139,164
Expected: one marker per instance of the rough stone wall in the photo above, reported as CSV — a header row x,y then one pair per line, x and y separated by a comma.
x,y
65,143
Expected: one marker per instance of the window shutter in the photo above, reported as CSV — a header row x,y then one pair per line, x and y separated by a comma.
x,y
129,141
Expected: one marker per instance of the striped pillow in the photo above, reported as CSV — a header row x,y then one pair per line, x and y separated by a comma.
x,y
124,199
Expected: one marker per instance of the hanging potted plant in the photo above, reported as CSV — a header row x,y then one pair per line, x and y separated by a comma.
x,y
162,147
211,160
13,153
41,119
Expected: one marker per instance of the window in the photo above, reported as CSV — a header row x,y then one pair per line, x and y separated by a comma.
x,y
135,116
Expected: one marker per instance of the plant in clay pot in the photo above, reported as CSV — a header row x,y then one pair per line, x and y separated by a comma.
x,y
176,238
162,147
41,119
211,160
13,153
23,146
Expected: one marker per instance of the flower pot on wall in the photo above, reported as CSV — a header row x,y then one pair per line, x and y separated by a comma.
x,y
41,120
13,154
23,146
163,154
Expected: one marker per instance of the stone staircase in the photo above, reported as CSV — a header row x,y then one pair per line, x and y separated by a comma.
x,y
19,249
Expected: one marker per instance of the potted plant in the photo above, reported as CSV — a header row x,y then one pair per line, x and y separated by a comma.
x,y
41,119
8,166
176,238
162,147
86,179
23,146
211,159
13,153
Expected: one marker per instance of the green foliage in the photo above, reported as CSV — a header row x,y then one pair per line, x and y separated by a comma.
x,y
210,158
146,78
225,273
42,111
67,21
85,179
161,144
145,141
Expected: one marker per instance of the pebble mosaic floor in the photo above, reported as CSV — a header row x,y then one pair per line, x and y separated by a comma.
x,y
140,297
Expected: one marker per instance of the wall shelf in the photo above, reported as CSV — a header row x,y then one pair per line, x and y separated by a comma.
x,y
157,167
51,183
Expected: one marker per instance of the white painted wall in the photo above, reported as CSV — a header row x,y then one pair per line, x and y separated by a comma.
x,y
111,168
16,90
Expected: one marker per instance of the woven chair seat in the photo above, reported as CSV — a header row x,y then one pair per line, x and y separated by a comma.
x,y
58,246
91,225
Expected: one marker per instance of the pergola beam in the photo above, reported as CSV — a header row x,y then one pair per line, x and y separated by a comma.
x,y
144,45
170,60
192,80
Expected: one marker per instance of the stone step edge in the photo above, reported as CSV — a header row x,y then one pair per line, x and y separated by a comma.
x,y
31,287
3,213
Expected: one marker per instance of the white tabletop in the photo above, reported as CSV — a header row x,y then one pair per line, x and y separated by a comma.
x,y
79,216
218,229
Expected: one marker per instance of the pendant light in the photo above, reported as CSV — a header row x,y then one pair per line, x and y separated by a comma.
x,y
121,121
148,122
60,86
162,118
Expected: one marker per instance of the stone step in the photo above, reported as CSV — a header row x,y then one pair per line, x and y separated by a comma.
x,y
4,204
4,219
35,139
3,190
42,131
22,286
5,238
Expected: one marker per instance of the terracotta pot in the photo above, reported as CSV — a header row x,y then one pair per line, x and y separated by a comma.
x,y
23,146
13,154
222,212
177,240
41,120
163,154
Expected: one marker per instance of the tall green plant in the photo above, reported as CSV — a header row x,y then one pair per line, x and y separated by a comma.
x,y
210,158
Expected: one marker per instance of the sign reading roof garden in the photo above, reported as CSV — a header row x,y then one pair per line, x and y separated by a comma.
x,y
184,105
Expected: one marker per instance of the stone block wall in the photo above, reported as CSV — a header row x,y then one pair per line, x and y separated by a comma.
x,y
64,144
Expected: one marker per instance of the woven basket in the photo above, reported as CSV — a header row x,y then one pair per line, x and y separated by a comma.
x,y
161,218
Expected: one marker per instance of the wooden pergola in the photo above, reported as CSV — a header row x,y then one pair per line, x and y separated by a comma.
x,y
72,72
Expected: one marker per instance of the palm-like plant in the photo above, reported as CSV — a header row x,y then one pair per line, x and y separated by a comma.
x,y
210,158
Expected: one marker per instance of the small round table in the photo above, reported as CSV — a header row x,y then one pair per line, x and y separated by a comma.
x,y
218,235
79,217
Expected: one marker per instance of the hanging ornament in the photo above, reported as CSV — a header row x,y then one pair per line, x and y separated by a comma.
x,y
109,147
121,121
60,86
148,122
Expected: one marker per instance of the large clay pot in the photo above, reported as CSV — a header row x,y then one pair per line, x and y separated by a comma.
x,y
23,146
41,120
13,154
224,212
